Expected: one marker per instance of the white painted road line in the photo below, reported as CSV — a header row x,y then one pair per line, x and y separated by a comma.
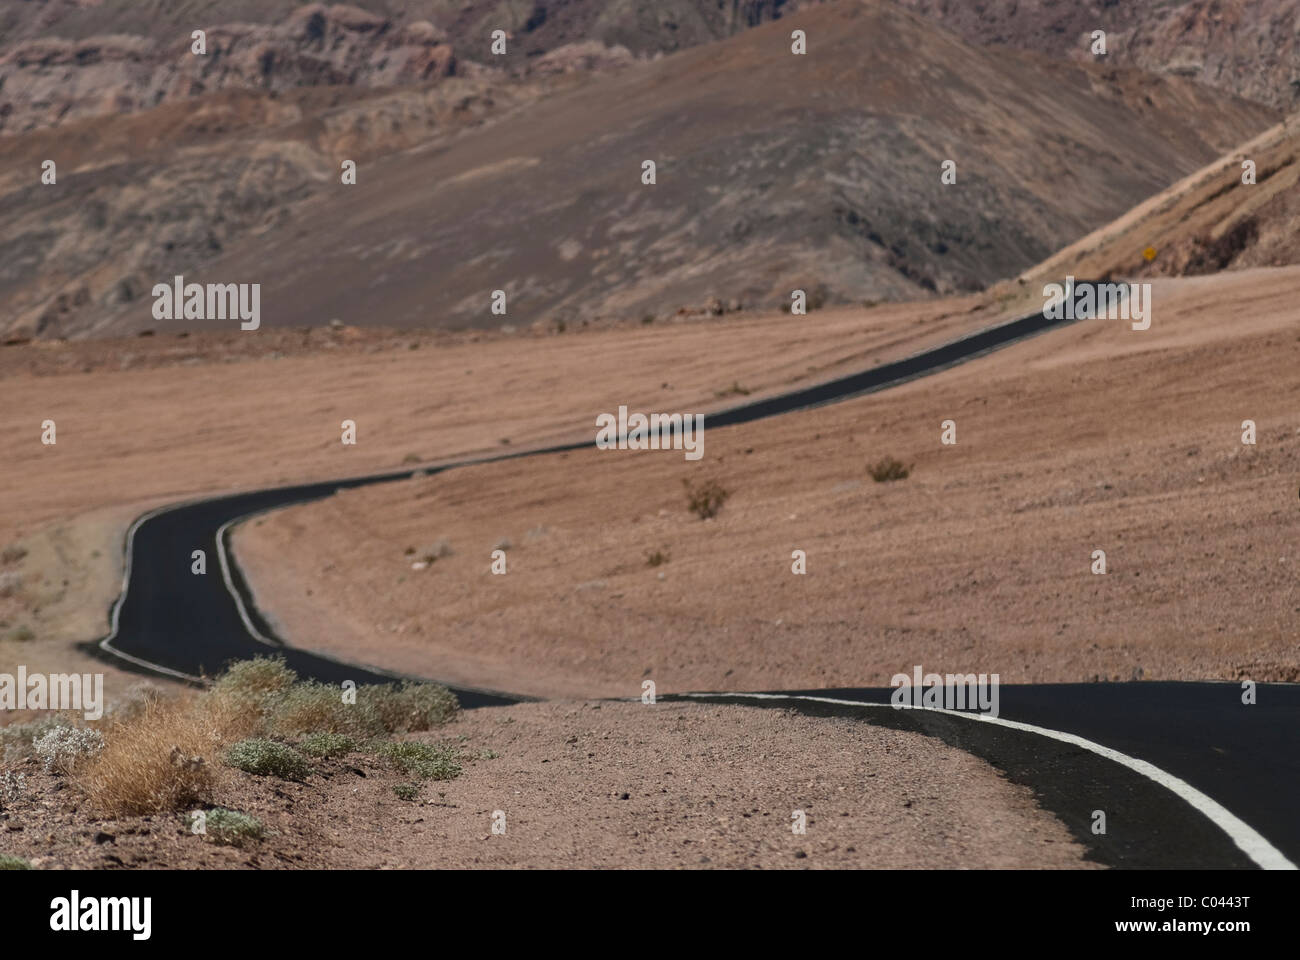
x,y
1263,853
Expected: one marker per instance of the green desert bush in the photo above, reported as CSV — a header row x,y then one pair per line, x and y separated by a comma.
x,y
13,863
231,828
406,791
266,758
406,707
255,684
278,704
310,707
324,745
424,760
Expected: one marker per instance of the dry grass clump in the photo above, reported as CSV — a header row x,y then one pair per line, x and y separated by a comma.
x,y
162,754
706,499
889,469
161,758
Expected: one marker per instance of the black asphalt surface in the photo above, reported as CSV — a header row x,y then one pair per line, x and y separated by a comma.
x,y
1245,757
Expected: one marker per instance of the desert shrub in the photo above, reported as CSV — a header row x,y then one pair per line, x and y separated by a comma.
x,y
423,760
656,558
232,828
12,554
12,786
707,499
271,701
160,758
13,863
310,707
22,634
405,706
328,745
889,469
266,758
406,791
135,701
255,682
63,749
16,739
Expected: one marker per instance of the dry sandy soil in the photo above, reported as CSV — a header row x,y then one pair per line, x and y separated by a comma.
x,y
1094,437
163,418
151,420
594,785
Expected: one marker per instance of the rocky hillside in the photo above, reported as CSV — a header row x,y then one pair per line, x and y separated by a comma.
x,y
831,184
51,80
1207,222
1249,47
66,59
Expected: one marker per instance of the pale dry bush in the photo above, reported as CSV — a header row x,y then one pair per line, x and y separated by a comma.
x,y
162,758
63,749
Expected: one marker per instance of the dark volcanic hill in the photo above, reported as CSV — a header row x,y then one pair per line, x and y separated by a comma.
x,y
774,172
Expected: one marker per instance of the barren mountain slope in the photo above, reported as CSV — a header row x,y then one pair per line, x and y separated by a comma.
x,y
832,185
1209,221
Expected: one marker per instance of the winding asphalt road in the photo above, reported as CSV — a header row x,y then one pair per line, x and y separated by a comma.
x,y
1186,775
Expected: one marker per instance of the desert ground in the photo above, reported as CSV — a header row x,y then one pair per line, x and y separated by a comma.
x,y
145,421
596,785
138,427
1095,437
